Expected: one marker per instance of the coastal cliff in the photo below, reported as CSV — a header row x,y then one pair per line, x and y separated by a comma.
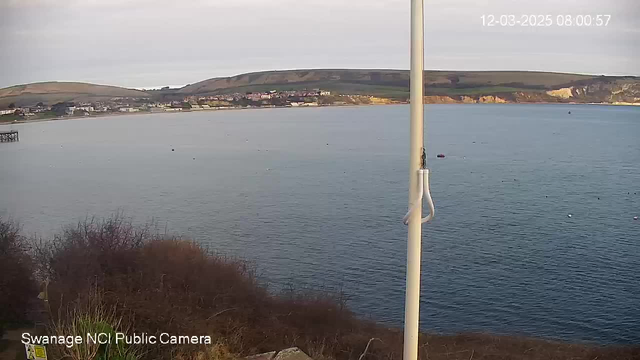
x,y
624,92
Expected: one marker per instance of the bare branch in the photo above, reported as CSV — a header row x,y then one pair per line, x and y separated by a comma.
x,y
367,348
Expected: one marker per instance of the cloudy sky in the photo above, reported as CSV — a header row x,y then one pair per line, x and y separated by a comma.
x,y
151,43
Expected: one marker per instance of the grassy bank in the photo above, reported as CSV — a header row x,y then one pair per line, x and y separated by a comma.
x,y
110,275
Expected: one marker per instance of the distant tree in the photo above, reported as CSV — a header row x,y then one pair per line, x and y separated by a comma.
x,y
278,102
12,106
186,105
40,104
60,109
454,79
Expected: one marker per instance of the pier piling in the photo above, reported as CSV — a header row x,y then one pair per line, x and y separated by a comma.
x,y
9,136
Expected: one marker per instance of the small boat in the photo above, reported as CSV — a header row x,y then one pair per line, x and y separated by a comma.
x,y
441,156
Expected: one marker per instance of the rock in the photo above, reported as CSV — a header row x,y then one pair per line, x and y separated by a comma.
x,y
264,356
287,354
292,354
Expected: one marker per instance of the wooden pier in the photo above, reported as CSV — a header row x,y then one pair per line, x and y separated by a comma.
x,y
9,136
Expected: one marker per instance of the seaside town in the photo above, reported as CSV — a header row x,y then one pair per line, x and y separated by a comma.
x,y
120,105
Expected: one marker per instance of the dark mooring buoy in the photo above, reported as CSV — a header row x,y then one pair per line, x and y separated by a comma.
x,y
441,156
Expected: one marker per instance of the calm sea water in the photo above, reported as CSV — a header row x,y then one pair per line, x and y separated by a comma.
x,y
316,196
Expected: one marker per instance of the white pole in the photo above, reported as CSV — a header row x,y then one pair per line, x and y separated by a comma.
x,y
412,302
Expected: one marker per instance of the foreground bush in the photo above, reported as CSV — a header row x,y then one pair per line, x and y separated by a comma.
x,y
140,282
89,315
17,287
176,286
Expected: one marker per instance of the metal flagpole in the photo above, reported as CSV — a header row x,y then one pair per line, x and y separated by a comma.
x,y
416,164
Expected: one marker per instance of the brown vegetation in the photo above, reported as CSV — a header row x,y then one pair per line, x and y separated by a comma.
x,y
143,282
16,280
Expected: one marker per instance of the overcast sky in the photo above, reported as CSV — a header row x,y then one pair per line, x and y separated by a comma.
x,y
152,43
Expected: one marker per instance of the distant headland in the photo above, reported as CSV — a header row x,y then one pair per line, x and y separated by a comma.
x,y
309,88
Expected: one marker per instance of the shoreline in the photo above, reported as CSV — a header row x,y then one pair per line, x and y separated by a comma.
x,y
97,116
105,115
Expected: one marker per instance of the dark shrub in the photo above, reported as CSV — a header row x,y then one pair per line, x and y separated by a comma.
x,y
17,287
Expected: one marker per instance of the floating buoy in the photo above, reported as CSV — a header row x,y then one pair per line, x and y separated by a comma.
x,y
635,218
441,156
569,216
569,112
173,149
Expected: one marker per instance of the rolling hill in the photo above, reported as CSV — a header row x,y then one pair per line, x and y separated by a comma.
x,y
441,87
383,80
53,92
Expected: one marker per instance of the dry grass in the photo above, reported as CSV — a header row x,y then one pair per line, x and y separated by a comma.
x,y
216,351
89,315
